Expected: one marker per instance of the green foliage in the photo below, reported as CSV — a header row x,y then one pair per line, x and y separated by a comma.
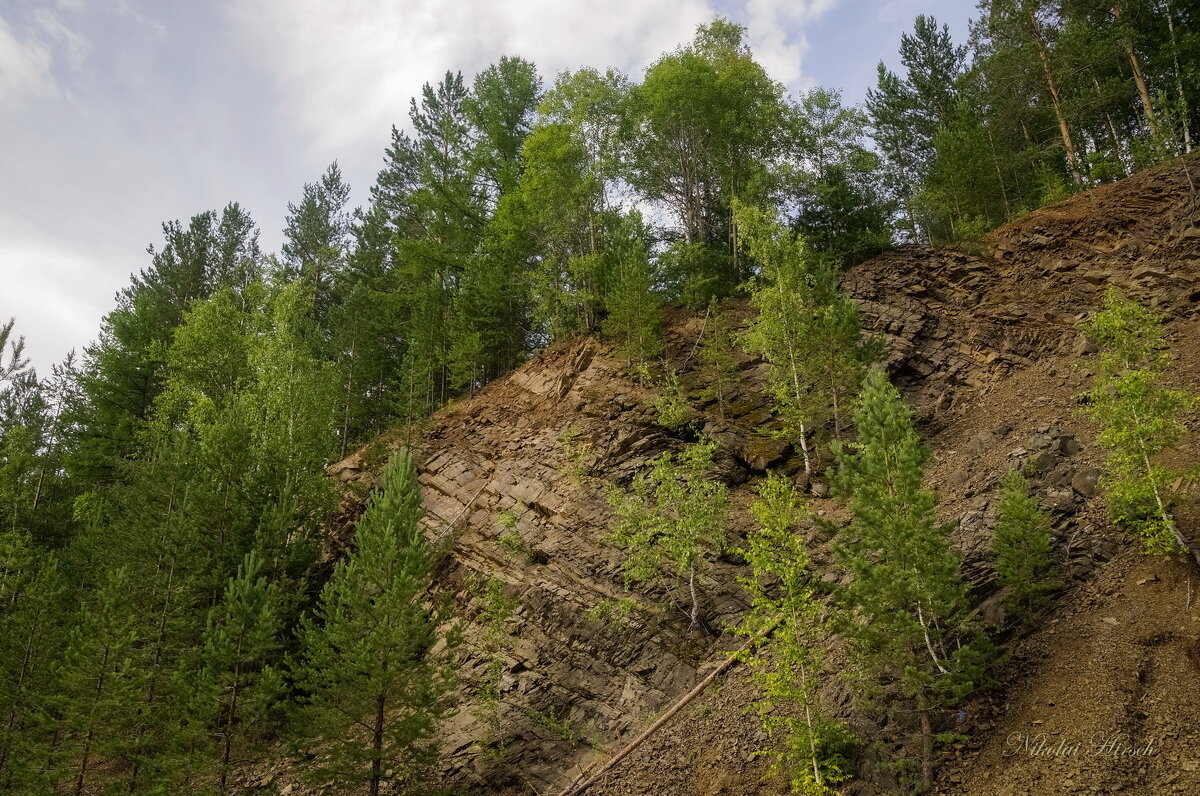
x,y
316,236
718,367
123,372
671,405
840,208
162,500
575,450
1139,418
240,679
671,516
32,591
907,626
634,317
1053,99
496,610
100,683
510,538
706,120
376,660
549,720
787,668
613,612
806,330
1021,545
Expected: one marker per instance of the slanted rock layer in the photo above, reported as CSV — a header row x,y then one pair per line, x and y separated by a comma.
x,y
988,348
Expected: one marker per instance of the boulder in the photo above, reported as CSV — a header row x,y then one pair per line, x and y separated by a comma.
x,y
1086,481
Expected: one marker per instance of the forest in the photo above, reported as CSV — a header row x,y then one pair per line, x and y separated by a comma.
x,y
172,603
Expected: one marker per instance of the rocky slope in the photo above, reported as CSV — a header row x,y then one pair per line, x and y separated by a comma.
x,y
987,347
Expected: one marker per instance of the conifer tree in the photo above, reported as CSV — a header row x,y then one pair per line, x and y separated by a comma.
x,y
100,681
123,372
634,317
316,237
375,668
368,323
908,626
1021,544
788,667
672,515
1139,418
32,607
240,645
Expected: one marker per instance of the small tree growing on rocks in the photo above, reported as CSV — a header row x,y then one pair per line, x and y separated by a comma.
x,y
787,668
1139,418
717,364
907,625
1021,545
376,669
806,330
670,516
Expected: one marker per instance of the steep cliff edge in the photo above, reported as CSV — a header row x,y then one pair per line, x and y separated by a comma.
x,y
986,345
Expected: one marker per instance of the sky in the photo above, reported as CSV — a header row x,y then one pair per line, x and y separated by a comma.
x,y
119,115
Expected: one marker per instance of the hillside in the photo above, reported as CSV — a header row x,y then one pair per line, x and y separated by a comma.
x,y
986,347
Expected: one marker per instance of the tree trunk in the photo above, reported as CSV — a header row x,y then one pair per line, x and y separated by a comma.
x,y
926,739
83,763
377,760
999,175
26,660
1112,129
692,589
233,705
1183,103
1163,514
1139,79
1055,100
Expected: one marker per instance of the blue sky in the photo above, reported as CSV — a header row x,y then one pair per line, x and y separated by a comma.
x,y
117,115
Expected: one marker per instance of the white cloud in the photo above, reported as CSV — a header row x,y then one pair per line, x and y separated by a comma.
x,y
776,35
24,67
72,44
56,291
346,70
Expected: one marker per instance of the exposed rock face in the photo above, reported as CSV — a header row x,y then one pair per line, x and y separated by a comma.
x,y
954,320
541,445
983,346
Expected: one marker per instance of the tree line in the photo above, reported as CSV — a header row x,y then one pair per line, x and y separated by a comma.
x,y
1047,97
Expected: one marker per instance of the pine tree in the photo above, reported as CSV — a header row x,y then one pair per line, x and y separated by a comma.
x,y
908,626
634,317
316,237
124,370
375,666
31,601
1139,419
100,681
672,515
787,668
240,644
367,325
1021,545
